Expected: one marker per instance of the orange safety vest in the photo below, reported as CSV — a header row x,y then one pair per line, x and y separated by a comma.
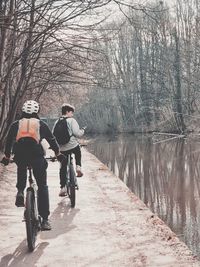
x,y
29,128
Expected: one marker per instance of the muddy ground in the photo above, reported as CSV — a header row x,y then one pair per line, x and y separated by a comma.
x,y
109,226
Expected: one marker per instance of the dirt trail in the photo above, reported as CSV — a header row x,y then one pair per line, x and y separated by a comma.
x,y
109,226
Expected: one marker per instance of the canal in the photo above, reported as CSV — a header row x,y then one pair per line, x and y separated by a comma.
x,y
165,175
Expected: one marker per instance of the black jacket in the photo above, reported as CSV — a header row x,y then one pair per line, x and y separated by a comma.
x,y
34,151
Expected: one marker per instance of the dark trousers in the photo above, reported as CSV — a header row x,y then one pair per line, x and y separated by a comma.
x,y
39,166
63,168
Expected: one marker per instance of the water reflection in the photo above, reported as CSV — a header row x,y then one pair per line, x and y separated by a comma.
x,y
165,176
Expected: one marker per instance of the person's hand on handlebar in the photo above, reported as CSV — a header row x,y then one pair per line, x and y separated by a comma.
x,y
60,157
5,161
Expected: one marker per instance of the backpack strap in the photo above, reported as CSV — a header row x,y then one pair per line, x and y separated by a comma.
x,y
67,125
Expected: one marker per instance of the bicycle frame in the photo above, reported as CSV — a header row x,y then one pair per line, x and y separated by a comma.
x,y
71,175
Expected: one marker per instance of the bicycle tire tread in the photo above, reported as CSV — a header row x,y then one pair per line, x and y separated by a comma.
x,y
29,219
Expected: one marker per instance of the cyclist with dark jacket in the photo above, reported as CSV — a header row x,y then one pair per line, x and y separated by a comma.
x,y
24,141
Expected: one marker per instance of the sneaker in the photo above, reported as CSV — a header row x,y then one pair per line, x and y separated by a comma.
x,y
19,199
78,171
76,187
46,226
63,192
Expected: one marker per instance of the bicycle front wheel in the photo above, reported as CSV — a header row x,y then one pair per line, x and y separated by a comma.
x,y
31,221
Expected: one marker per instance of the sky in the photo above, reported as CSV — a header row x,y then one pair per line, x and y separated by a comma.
x,y
114,10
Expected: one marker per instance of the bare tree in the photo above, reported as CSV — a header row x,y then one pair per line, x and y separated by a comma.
x,y
28,31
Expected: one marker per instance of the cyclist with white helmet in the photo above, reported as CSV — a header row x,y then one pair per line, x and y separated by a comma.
x,y
24,141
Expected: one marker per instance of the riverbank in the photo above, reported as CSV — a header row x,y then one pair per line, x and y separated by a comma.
x,y
109,226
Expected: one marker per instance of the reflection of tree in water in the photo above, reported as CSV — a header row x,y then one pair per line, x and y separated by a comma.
x,y
166,176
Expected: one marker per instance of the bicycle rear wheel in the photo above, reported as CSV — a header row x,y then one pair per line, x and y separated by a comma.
x,y
31,221
72,186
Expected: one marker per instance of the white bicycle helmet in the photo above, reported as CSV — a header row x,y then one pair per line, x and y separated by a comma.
x,y
30,107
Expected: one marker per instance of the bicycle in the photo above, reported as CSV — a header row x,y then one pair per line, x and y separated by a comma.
x,y
31,215
71,181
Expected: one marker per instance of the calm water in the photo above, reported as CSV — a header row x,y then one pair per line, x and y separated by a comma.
x,y
165,176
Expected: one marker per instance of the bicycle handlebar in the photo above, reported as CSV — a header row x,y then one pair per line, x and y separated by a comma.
x,y
50,158
53,159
